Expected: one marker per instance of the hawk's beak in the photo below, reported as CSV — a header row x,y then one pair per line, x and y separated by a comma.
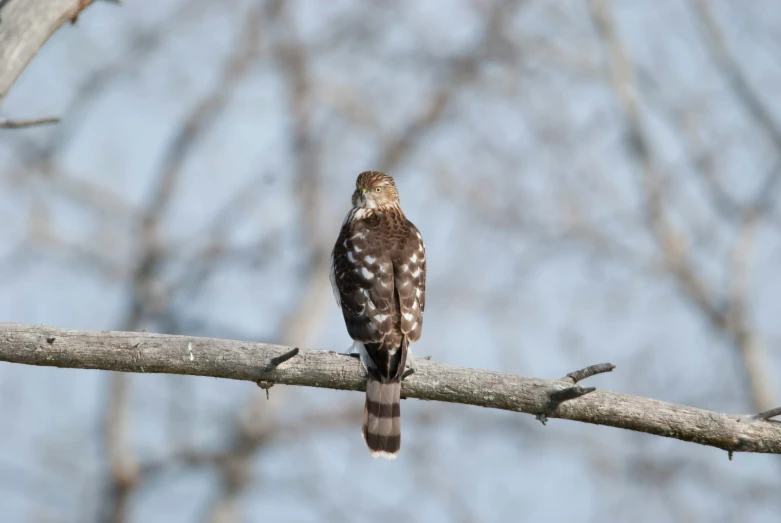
x,y
362,196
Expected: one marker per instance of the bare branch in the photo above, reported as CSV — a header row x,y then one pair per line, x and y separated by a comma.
x,y
459,72
21,124
159,353
557,397
772,413
736,79
25,27
733,323
122,462
142,42
670,240
582,374
276,361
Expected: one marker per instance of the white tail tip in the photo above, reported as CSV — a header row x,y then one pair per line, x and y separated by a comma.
x,y
384,455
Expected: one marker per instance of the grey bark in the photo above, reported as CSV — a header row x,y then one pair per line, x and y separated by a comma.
x,y
252,361
25,25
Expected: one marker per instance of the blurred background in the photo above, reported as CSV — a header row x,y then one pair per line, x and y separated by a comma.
x,y
594,181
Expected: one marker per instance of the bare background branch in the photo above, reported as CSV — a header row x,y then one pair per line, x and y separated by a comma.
x,y
25,25
20,124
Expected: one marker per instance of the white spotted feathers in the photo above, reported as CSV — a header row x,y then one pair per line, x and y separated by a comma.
x,y
378,274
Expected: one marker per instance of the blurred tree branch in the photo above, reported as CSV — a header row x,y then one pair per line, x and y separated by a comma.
x,y
147,300
160,353
6,123
504,169
293,58
729,66
25,25
731,320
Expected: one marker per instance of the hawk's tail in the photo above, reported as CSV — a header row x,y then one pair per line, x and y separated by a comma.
x,y
381,417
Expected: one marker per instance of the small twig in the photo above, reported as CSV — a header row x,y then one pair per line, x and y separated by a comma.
x,y
276,361
272,364
582,374
20,124
559,396
772,413
571,393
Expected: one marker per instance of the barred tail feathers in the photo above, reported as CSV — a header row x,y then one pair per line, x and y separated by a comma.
x,y
381,417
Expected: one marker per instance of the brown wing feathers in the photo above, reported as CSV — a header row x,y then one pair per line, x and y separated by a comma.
x,y
379,276
379,266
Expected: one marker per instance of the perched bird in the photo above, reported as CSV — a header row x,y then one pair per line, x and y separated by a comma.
x,y
378,274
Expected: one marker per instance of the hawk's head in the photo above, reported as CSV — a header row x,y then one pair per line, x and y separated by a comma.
x,y
375,190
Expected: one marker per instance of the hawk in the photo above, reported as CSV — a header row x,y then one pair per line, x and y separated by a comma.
x,y
378,274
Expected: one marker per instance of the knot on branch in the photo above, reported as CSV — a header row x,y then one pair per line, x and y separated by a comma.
x,y
265,385
271,366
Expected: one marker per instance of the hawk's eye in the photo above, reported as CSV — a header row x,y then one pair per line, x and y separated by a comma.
x,y
377,189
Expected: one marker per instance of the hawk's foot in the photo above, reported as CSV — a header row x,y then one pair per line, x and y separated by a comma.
x,y
410,370
352,351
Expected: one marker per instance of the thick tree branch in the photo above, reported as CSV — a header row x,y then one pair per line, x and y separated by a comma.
x,y
159,353
25,25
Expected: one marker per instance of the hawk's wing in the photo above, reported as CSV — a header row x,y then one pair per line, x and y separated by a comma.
x,y
378,271
362,276
409,267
